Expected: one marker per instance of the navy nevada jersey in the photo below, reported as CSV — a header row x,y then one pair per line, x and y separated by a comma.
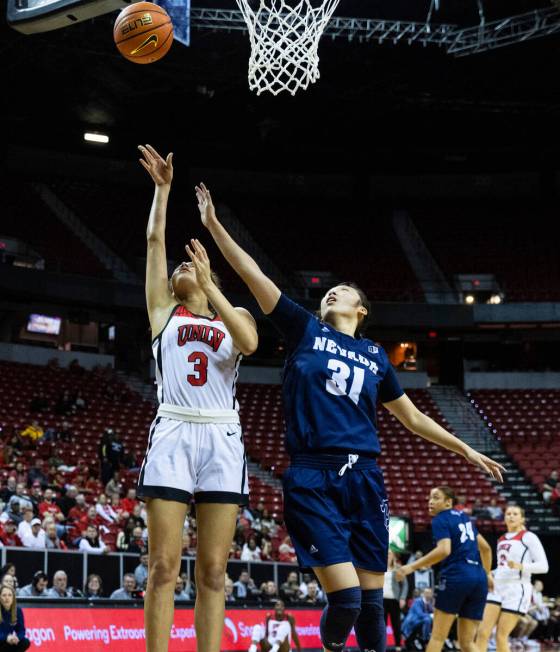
x,y
457,526
331,385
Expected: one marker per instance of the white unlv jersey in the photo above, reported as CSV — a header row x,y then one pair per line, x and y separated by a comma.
x,y
196,362
523,547
278,627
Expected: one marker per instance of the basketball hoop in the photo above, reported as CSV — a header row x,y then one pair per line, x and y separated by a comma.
x,y
284,36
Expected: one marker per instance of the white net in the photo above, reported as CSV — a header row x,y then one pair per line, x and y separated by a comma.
x,y
284,37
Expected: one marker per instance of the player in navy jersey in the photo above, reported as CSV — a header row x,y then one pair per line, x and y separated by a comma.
x,y
465,560
335,505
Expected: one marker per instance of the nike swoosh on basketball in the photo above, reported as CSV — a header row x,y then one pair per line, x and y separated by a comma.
x,y
153,38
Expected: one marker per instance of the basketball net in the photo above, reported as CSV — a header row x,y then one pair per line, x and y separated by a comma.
x,y
284,36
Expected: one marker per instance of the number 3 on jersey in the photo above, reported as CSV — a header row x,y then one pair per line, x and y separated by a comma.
x,y
200,368
337,383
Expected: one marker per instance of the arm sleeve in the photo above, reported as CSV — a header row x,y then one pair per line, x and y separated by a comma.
x,y
539,562
440,529
389,388
290,319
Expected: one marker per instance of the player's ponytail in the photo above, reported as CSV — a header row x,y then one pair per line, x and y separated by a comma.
x,y
448,493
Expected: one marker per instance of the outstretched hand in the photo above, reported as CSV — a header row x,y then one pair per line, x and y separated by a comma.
x,y
201,262
205,205
159,169
494,469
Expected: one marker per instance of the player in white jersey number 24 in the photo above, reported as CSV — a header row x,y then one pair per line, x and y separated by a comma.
x,y
195,446
519,554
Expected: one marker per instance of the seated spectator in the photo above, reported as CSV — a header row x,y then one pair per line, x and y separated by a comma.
x,y
269,591
8,534
12,626
37,474
258,511
37,588
267,521
9,490
141,571
549,486
92,542
92,518
33,432
187,547
105,511
116,505
21,496
49,506
244,588
68,501
314,595
418,620
12,513
251,552
125,535
180,593
8,575
553,626
463,505
24,528
39,403
36,497
114,486
286,552
130,501
289,590
137,543
80,509
60,587
538,611
423,577
228,589
52,542
495,511
93,589
36,538
304,584
127,590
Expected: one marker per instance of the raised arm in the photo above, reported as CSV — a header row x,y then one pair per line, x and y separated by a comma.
x,y
262,288
421,424
158,295
238,321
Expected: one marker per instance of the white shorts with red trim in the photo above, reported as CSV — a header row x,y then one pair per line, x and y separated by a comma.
x,y
204,460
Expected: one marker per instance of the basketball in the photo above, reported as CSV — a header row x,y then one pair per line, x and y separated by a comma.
x,y
143,32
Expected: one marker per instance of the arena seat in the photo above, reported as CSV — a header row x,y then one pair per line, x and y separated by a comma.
x,y
527,422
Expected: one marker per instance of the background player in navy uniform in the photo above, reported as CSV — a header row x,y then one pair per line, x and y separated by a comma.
x,y
466,560
335,505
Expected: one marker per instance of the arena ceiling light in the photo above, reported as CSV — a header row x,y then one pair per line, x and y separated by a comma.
x,y
495,299
469,298
95,137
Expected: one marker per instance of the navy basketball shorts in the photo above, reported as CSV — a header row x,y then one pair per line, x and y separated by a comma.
x,y
334,518
463,594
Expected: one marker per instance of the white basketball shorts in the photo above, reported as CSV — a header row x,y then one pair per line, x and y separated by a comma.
x,y
514,597
204,460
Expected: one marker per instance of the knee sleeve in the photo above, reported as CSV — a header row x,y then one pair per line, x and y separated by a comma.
x,y
339,617
371,631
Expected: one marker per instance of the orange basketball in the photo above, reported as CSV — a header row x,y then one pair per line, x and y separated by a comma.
x,y
143,32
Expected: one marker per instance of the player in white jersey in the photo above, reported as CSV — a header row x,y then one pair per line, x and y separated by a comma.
x,y
519,554
195,445
277,633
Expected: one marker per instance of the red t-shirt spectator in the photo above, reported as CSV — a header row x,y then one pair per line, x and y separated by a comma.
x,y
49,508
128,505
77,512
10,538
